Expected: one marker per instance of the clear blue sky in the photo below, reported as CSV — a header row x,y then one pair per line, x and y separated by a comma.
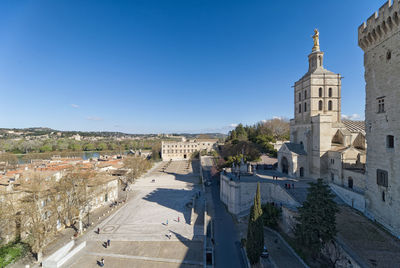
x,y
169,66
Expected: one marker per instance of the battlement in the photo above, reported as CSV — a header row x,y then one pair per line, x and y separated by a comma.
x,y
380,25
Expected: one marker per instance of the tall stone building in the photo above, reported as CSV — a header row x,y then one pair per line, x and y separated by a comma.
x,y
321,145
379,38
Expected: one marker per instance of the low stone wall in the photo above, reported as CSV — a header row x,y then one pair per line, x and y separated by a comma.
x,y
62,255
238,196
288,220
351,198
358,178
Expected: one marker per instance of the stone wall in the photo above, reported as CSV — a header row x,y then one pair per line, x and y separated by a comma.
x,y
379,37
238,196
357,177
351,198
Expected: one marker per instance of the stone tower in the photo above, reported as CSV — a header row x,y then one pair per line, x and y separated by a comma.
x,y
318,91
379,38
316,107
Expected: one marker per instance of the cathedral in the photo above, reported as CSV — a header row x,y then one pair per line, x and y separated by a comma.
x,y
322,145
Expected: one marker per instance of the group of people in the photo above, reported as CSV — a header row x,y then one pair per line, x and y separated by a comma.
x,y
106,245
169,235
287,186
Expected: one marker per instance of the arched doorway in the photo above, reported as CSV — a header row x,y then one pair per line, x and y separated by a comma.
x,y
350,182
285,165
301,172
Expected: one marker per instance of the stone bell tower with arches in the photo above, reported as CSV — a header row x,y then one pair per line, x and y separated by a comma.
x,y
316,123
318,91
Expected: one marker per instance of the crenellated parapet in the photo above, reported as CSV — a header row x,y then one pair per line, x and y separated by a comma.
x,y
380,25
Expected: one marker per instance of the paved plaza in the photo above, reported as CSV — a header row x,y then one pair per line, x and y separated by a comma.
x,y
139,232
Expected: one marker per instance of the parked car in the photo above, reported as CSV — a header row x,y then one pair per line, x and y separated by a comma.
x,y
265,253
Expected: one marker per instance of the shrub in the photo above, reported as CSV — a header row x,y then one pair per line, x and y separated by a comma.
x,y
12,252
271,215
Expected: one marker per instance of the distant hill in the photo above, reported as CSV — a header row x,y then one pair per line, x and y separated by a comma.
x,y
40,131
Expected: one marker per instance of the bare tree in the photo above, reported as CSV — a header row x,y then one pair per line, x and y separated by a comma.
x,y
136,166
277,127
38,217
8,226
75,196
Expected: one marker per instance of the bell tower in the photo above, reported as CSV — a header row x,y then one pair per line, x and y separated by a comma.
x,y
319,90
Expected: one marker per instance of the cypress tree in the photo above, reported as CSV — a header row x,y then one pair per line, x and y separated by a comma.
x,y
317,217
255,232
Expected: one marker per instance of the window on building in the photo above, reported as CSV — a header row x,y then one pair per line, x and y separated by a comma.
x,y
299,107
383,196
390,141
305,94
350,182
382,177
381,105
330,105
330,92
320,92
299,96
305,107
320,105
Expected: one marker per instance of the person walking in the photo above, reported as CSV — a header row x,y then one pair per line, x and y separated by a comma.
x,y
178,219
170,235
167,222
98,230
102,262
108,242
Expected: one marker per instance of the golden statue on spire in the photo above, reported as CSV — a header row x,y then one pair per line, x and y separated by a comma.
x,y
315,37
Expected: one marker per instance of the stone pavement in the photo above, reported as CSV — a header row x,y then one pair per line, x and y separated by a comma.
x,y
367,240
280,253
139,231
227,252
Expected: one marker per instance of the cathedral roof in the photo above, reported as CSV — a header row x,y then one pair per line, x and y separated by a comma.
x,y
354,126
295,148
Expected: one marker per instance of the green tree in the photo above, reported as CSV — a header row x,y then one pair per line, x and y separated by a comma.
x,y
255,233
241,132
76,147
270,215
317,218
101,146
88,147
45,148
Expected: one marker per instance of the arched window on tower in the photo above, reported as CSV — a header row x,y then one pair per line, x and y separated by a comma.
x,y
305,94
330,92
299,107
320,105
320,92
299,96
305,107
330,105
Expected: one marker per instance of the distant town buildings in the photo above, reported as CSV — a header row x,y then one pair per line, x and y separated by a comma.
x,y
100,187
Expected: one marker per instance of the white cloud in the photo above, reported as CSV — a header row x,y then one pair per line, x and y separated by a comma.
x,y
233,125
277,117
94,118
75,105
351,117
